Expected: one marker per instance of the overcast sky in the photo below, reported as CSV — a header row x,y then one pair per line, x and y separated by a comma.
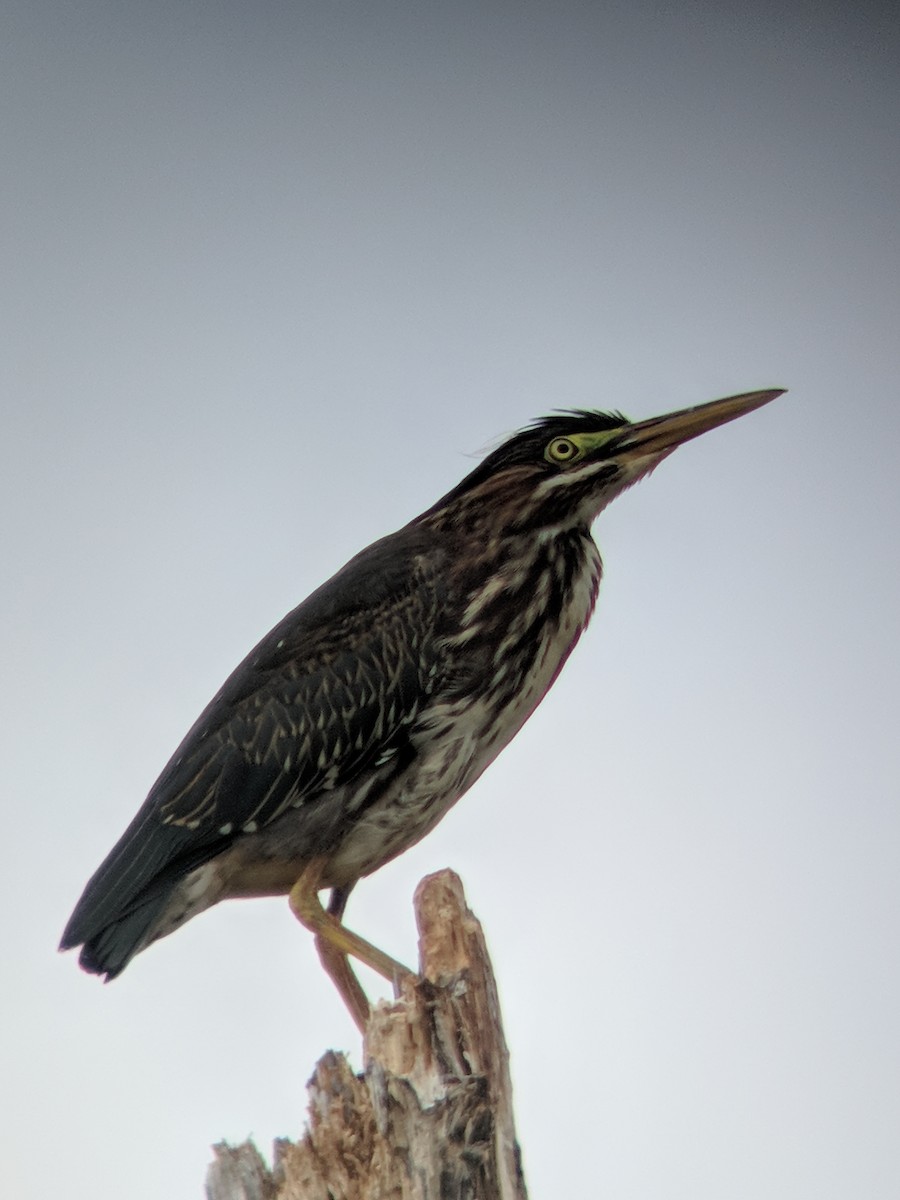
x,y
274,273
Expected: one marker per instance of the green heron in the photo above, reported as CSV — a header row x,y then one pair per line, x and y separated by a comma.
x,y
356,724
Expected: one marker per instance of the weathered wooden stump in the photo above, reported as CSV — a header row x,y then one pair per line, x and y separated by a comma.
x,y
431,1116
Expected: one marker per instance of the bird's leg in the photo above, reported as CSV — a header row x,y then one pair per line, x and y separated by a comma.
x,y
334,941
337,964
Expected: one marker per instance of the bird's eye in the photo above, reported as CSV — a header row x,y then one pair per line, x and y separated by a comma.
x,y
562,450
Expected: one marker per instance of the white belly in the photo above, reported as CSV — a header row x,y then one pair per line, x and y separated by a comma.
x,y
456,738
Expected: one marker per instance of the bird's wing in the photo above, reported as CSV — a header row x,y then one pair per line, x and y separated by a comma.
x,y
331,691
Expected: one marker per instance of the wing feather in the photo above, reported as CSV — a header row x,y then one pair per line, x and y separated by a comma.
x,y
327,694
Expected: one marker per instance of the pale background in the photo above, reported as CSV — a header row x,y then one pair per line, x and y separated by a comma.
x,y
272,274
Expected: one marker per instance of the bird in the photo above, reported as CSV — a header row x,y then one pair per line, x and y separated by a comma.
x,y
354,726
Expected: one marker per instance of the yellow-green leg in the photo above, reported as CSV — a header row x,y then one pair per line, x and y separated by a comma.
x,y
335,942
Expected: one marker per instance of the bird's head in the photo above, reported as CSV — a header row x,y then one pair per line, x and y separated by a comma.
x,y
564,469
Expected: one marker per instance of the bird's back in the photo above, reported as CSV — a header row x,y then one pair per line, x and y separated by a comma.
x,y
324,698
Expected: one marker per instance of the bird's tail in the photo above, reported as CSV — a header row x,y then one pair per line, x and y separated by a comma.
x,y
109,949
132,898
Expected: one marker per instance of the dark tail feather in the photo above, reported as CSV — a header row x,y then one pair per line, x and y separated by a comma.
x,y
120,907
108,951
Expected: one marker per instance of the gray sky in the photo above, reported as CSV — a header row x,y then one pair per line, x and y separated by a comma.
x,y
273,273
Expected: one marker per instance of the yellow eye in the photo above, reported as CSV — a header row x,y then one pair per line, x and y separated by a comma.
x,y
562,450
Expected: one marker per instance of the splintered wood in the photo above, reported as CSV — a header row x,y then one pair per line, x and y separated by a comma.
x,y
431,1117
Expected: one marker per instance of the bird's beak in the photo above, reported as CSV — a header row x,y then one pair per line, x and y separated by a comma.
x,y
659,436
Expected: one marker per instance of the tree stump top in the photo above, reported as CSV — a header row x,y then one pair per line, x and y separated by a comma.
x,y
431,1116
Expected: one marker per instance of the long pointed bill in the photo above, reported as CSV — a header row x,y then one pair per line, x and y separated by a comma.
x,y
661,435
